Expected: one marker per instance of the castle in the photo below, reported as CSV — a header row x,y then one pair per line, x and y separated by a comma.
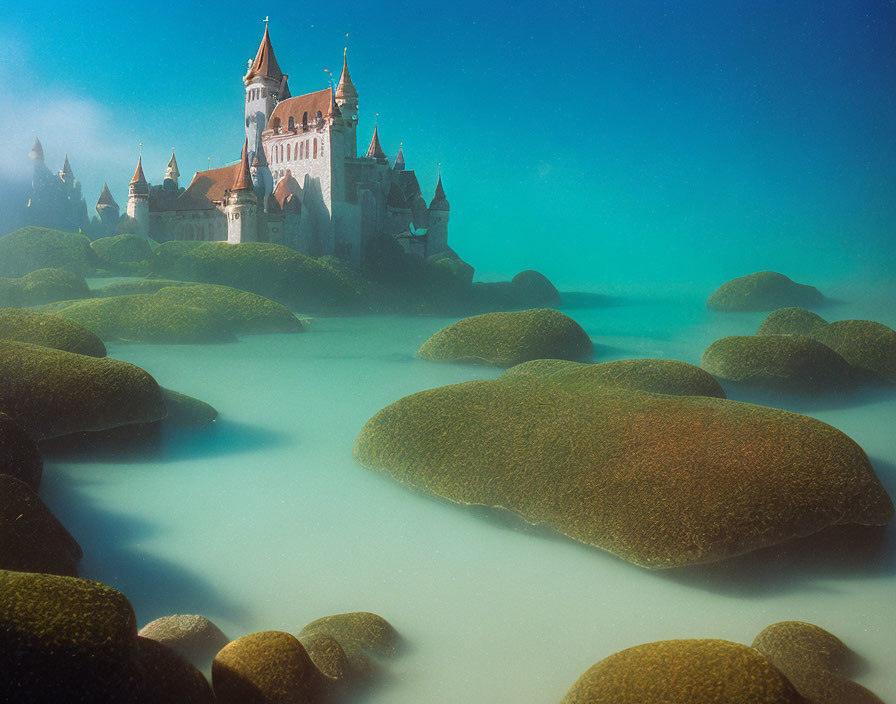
x,y
56,199
299,181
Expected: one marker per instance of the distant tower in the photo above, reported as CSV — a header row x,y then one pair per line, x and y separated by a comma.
x,y
138,200
399,160
109,212
266,85
172,173
37,153
66,175
375,151
347,100
241,205
439,210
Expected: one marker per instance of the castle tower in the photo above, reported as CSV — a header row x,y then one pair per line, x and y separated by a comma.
x,y
172,173
108,211
266,85
347,100
138,200
399,160
66,175
439,210
37,153
375,151
241,204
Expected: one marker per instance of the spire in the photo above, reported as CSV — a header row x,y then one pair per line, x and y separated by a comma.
x,y
265,63
243,180
399,160
346,89
439,201
172,171
139,178
66,172
375,151
37,151
334,106
106,198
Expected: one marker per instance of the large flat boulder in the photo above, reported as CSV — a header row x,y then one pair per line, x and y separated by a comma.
x,y
30,248
659,480
51,392
43,286
764,290
49,330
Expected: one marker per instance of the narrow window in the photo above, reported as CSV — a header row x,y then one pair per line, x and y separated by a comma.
x,y
301,150
320,116
292,123
315,147
288,152
305,122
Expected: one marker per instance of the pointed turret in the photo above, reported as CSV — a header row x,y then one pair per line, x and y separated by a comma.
x,y
138,200
37,151
66,174
108,211
334,110
106,200
346,90
243,180
138,184
439,201
265,63
375,151
399,160
171,171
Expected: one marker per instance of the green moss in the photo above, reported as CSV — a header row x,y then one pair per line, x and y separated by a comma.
x,y
661,376
127,253
791,321
698,671
793,363
61,635
50,392
167,253
815,661
31,537
19,456
865,344
456,268
506,339
328,657
42,286
764,290
659,480
192,636
138,286
31,248
187,411
359,634
49,330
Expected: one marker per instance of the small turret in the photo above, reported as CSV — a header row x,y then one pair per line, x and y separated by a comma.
x,y
67,176
37,151
108,211
347,99
439,213
241,204
439,201
172,173
138,200
399,160
266,85
375,151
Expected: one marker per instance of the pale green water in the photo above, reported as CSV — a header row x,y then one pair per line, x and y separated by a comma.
x,y
264,521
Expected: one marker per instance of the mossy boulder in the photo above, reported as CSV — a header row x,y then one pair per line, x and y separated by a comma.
x,y
506,339
127,253
661,376
864,344
186,411
31,248
64,636
169,678
138,286
696,671
19,455
815,661
535,289
764,290
167,254
191,636
49,330
265,667
50,392
31,538
329,657
43,286
791,321
793,363
359,634
661,481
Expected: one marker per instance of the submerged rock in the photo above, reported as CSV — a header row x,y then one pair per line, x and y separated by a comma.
x,y
865,344
661,376
19,456
168,678
661,481
31,248
50,392
535,289
43,286
31,538
329,657
49,330
191,636
265,667
764,290
697,671
815,661
186,411
359,634
506,339
791,321
784,362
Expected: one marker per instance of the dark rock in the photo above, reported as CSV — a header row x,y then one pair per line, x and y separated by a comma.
x,y
19,455
168,678
534,289
43,286
865,344
359,633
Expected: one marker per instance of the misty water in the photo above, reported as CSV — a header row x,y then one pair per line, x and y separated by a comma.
x,y
264,520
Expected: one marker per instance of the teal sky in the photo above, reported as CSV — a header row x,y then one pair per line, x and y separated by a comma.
x,y
601,142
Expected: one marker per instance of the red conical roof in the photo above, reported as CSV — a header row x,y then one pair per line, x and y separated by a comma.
x,y
375,151
243,180
265,63
345,89
138,174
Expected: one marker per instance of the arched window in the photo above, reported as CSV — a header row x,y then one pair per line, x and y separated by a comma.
x,y
301,150
288,147
281,152
292,123
315,147
305,122
320,116
276,125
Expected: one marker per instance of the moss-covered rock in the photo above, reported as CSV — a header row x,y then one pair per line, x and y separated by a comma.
x,y
43,286
661,376
659,480
30,248
329,657
794,363
534,289
19,456
169,678
191,636
359,633
49,330
864,344
764,290
186,411
815,661
31,538
127,253
791,321
138,286
698,671
263,668
506,339
50,392
167,254
64,636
